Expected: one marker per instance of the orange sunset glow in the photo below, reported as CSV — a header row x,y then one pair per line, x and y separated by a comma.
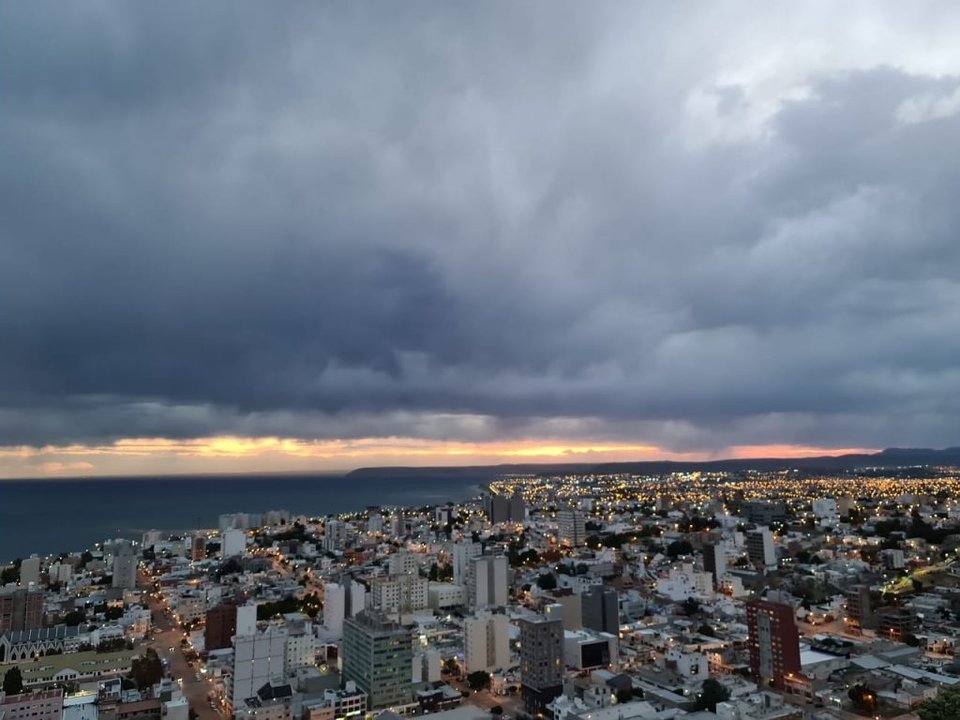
x,y
136,456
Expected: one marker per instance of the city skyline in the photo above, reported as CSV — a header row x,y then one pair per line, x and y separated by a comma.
x,y
318,237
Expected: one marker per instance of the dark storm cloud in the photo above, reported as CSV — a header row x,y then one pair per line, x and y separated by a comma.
x,y
460,222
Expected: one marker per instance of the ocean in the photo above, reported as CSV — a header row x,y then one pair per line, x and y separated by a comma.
x,y
54,516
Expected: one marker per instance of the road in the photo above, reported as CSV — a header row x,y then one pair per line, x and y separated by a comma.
x,y
165,636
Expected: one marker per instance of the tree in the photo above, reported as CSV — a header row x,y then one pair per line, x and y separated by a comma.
x,y
678,548
712,692
705,629
624,695
691,606
478,680
74,618
547,581
147,671
13,681
863,698
496,710
946,706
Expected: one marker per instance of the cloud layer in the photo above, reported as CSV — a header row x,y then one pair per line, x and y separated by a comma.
x,y
643,224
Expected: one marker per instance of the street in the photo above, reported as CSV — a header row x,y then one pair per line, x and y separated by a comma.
x,y
165,636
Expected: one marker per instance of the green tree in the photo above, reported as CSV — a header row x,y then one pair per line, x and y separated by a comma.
x,y
945,706
13,681
547,581
147,671
11,574
863,698
478,680
678,548
712,692
74,618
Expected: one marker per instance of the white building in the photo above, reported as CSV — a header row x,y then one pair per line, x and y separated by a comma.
x,y
403,563
687,664
301,647
398,593
445,595
358,597
334,607
257,659
487,581
30,571
590,650
486,642
826,511
685,582
233,542
462,553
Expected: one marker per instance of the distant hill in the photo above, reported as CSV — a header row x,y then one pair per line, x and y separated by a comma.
x,y
889,458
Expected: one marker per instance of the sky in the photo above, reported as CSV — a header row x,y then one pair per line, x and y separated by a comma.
x,y
246,236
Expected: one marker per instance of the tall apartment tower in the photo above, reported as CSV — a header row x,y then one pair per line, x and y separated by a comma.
x,y
715,560
501,508
461,555
334,607
760,549
487,582
20,609
357,599
486,642
541,662
125,568
334,534
571,527
258,658
378,657
774,642
30,571
600,606
220,626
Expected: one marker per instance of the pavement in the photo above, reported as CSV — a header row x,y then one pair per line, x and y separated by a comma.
x,y
167,635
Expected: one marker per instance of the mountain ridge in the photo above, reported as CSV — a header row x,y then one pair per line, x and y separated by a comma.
x,y
887,458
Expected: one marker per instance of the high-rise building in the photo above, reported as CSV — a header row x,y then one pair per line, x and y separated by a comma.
x,y
774,642
760,549
859,612
198,548
541,662
764,512
334,534
403,563
567,606
399,593
487,581
30,571
571,527
334,607
501,508
233,542
258,658
486,642
601,609
40,705
357,600
125,568
20,608
220,627
461,555
715,560
378,657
